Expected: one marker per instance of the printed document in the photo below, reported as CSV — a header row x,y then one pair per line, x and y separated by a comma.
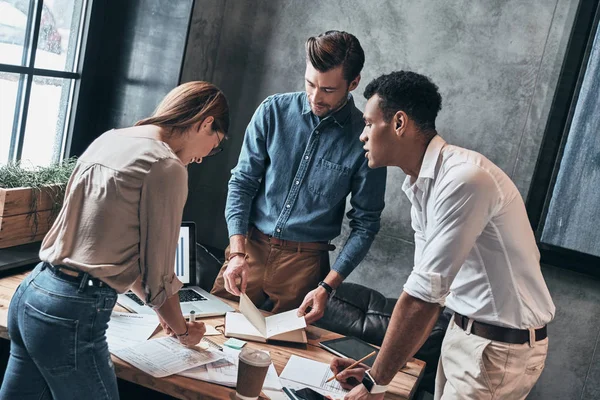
x,y
128,329
224,371
165,356
314,374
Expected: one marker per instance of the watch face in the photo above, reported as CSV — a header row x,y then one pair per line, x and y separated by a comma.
x,y
367,381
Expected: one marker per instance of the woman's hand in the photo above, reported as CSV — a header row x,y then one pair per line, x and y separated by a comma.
x,y
195,333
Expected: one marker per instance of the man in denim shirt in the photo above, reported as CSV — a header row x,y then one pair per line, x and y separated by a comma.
x,y
300,159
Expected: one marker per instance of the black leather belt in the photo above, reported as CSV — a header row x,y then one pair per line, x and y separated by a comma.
x,y
72,275
499,333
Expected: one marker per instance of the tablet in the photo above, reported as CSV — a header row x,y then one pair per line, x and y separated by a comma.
x,y
350,347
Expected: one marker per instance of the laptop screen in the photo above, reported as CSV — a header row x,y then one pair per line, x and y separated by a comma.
x,y
182,256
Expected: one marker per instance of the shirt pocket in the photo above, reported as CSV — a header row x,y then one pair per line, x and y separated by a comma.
x,y
330,180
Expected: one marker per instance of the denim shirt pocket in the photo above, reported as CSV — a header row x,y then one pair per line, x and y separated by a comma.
x,y
330,180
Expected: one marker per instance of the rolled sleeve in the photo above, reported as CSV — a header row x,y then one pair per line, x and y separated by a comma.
x,y
163,197
248,173
464,201
367,202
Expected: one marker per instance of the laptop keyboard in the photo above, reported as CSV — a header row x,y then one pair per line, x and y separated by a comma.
x,y
133,297
187,295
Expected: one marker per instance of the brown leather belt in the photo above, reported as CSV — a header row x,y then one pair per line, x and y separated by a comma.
x,y
499,333
289,244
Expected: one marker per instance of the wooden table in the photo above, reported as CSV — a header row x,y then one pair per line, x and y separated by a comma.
x,y
402,387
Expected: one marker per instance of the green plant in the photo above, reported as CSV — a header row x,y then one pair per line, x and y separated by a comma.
x,y
51,180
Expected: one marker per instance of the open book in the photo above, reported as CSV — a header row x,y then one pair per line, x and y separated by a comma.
x,y
252,325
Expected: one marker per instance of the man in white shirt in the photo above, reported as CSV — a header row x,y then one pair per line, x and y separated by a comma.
x,y
475,252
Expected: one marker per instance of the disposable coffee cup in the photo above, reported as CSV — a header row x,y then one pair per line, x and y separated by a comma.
x,y
252,370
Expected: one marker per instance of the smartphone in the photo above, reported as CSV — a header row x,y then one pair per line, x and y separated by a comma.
x,y
303,394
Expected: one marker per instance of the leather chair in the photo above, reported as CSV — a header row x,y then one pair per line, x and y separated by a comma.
x,y
355,310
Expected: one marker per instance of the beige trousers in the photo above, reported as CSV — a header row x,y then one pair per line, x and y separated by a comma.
x,y
281,274
472,367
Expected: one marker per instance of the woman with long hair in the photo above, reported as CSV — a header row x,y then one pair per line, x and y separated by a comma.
x,y
117,230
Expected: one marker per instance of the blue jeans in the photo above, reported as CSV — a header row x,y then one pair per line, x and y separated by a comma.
x,y
58,345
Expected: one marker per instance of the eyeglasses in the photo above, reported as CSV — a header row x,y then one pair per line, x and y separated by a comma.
x,y
217,149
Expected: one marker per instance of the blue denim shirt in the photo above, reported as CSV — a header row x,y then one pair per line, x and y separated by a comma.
x,y
295,171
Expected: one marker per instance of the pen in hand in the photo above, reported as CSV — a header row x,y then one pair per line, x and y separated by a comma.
x,y
192,316
353,365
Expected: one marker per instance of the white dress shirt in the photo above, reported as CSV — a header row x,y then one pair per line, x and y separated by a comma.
x,y
474,247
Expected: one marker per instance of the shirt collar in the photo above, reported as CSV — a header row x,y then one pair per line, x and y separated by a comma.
x,y
340,117
428,167
432,154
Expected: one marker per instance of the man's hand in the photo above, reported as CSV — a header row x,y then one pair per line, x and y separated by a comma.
x,y
317,301
360,393
348,378
236,268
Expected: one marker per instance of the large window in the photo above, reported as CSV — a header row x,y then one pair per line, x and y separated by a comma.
x,y
563,202
40,42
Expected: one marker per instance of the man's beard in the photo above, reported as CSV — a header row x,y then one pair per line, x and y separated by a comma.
x,y
335,108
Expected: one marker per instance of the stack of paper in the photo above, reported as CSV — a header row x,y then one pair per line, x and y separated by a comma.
x,y
165,356
224,372
301,372
252,325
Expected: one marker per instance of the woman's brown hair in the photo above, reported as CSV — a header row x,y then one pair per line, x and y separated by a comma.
x,y
188,104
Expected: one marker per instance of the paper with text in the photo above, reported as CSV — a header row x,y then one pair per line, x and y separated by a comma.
x,y
165,356
313,374
272,325
224,371
128,329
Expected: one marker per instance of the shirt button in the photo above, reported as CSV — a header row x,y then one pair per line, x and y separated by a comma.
x,y
317,132
297,182
287,206
306,157
278,230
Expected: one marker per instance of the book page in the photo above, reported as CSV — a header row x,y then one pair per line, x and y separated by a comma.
x,y
253,314
284,322
236,323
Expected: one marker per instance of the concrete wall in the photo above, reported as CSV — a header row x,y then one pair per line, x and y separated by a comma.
x,y
497,64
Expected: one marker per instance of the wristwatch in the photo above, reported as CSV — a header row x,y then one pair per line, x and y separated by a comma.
x,y
371,385
330,291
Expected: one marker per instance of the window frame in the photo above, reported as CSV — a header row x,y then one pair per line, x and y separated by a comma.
x,y
555,137
27,72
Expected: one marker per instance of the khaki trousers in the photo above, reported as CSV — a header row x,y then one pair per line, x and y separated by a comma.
x,y
472,367
283,275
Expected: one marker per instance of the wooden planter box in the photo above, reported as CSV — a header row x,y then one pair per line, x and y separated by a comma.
x,y
21,223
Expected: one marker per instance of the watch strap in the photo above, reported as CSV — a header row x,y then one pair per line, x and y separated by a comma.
x,y
326,286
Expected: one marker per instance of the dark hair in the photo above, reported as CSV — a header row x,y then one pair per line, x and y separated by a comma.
x,y
331,49
410,92
189,104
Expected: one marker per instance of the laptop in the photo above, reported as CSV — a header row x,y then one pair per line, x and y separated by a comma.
x,y
191,297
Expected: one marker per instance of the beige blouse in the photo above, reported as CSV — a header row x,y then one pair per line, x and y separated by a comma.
x,y
121,216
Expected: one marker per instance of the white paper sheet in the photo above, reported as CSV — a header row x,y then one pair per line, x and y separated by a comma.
x,y
224,371
165,356
313,374
211,330
127,329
